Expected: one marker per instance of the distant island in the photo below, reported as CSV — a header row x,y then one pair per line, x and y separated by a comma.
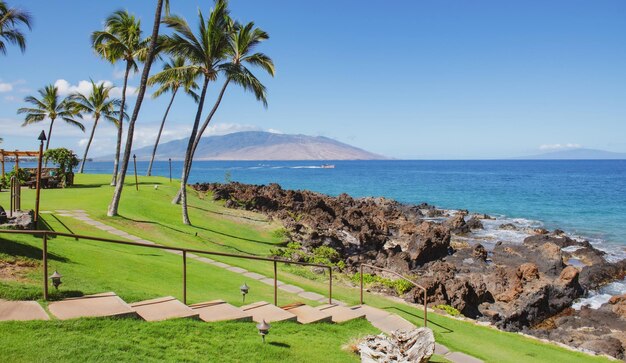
x,y
258,145
577,154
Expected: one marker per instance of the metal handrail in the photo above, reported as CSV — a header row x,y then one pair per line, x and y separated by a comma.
x,y
402,277
184,251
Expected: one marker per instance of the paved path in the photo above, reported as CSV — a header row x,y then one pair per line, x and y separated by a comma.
x,y
381,319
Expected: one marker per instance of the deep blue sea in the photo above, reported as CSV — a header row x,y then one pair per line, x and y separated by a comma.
x,y
583,197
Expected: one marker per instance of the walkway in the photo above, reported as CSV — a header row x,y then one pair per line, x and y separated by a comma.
x,y
381,319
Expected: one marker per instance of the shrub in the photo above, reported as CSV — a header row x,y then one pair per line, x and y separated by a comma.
x,y
448,309
325,255
66,160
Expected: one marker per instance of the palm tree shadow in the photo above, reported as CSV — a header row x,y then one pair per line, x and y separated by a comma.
x,y
205,239
228,214
15,248
447,330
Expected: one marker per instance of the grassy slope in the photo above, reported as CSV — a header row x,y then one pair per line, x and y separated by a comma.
x,y
137,274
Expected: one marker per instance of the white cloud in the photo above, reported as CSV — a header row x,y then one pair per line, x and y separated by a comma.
x,y
84,87
6,87
11,98
559,146
274,131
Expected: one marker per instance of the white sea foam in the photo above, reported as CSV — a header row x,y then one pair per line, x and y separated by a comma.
x,y
602,296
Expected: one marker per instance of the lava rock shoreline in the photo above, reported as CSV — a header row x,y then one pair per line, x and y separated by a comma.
x,y
528,287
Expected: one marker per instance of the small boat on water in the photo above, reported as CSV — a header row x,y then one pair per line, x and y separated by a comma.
x,y
328,166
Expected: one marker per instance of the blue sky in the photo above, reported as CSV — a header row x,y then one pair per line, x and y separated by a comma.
x,y
407,79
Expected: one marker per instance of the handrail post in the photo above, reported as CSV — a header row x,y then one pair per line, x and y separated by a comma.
x,y
45,266
184,277
330,285
425,308
275,283
361,284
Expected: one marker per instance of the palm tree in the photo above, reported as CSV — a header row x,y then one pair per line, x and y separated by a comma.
x,y
50,106
100,105
185,80
120,41
205,51
152,50
10,20
242,41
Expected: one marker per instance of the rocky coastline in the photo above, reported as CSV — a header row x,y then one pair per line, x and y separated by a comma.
x,y
524,285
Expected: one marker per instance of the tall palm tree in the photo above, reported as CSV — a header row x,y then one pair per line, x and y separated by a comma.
x,y
50,106
205,50
120,41
242,41
10,20
185,80
152,51
100,105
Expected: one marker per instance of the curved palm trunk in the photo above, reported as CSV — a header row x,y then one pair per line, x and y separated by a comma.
x,y
178,196
188,156
49,133
120,127
156,144
93,130
117,194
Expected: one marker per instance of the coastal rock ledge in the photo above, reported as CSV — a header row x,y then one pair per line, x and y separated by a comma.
x,y
526,286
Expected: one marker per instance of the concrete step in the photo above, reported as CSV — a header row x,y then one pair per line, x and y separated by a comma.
x,y
219,310
270,313
340,313
384,320
98,305
21,310
163,308
307,314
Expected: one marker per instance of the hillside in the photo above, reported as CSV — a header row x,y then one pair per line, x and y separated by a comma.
x,y
258,145
578,154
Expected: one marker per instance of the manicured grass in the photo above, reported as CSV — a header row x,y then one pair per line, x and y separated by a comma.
x,y
136,273
131,340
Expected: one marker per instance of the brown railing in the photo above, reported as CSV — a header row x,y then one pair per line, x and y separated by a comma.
x,y
402,277
184,251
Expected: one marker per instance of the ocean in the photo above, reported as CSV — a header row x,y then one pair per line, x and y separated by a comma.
x,y
585,198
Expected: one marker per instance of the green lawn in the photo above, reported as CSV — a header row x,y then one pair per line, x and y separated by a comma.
x,y
136,273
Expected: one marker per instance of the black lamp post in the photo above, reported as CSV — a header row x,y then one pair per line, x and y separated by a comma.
x,y
41,138
56,279
264,329
244,290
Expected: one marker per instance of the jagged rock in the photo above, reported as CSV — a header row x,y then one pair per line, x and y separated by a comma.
x,y
508,227
474,223
457,224
416,346
3,216
480,252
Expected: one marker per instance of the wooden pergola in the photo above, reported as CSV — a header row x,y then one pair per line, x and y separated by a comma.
x,y
16,156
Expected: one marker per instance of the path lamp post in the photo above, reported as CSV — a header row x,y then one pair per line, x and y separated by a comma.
x,y
244,290
264,329
56,279
41,138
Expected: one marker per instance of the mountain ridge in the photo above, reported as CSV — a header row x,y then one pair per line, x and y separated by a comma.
x,y
258,145
576,154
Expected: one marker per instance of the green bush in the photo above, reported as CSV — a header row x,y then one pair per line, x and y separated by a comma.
x,y
448,309
400,286
66,160
325,255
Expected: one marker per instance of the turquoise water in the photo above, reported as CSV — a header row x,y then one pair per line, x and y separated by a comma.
x,y
586,198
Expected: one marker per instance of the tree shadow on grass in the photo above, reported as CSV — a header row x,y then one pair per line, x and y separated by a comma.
x,y
280,345
14,248
204,229
228,214
421,318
